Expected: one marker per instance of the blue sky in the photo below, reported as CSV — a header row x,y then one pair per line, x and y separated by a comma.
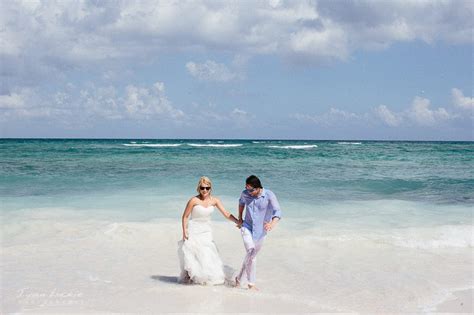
x,y
397,70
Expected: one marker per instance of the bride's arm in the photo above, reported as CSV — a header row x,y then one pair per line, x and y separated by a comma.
x,y
185,218
224,212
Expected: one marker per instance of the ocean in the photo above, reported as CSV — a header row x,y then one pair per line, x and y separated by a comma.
x,y
377,222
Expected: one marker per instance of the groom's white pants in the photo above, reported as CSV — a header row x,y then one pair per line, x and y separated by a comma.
x,y
249,266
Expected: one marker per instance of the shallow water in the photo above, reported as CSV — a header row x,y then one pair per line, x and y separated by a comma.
x,y
367,226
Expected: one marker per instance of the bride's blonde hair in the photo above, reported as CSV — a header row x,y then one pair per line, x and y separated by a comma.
x,y
204,180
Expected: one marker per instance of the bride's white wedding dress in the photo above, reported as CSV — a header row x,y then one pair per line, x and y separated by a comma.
x,y
198,254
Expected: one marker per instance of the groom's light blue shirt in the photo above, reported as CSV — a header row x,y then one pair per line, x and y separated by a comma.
x,y
259,210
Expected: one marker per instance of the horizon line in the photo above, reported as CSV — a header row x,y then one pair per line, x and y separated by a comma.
x,y
225,139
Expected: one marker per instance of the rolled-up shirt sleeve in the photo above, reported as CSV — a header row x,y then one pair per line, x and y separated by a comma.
x,y
275,206
242,199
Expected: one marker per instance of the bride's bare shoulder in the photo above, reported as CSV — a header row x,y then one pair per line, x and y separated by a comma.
x,y
215,200
193,201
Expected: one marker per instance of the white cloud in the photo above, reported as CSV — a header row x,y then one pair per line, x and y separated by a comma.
x,y
26,103
136,103
387,116
40,38
241,117
462,101
101,102
218,72
333,117
43,41
421,113
14,100
239,113
210,71
331,42
212,116
377,24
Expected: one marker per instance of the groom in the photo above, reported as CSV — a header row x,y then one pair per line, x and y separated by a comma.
x,y
262,215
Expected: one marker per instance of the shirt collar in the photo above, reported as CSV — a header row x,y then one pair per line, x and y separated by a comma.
x,y
262,194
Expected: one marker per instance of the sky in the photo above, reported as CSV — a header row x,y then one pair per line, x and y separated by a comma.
x,y
323,70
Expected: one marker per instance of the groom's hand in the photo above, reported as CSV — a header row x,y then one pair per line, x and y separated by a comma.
x,y
268,226
239,223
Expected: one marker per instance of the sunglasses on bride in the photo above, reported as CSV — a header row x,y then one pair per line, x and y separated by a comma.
x,y
205,188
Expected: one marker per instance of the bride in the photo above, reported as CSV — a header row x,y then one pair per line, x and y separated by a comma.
x,y
199,259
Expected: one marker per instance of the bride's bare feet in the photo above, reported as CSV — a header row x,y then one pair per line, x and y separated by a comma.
x,y
237,283
187,279
252,287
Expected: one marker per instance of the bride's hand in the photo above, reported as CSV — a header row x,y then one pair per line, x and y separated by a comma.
x,y
239,223
185,237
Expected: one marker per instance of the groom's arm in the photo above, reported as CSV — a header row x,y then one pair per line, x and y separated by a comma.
x,y
241,208
275,206
241,211
276,213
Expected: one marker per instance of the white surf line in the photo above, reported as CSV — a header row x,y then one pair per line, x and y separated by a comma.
x,y
152,145
215,145
295,147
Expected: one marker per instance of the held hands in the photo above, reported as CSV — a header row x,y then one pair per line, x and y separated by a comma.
x,y
239,223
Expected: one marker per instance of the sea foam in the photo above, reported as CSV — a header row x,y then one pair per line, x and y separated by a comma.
x,y
152,145
296,147
215,145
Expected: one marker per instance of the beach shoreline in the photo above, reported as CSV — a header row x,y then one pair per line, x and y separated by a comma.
x,y
89,265
460,301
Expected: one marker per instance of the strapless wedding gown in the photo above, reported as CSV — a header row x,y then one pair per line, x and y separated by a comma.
x,y
198,255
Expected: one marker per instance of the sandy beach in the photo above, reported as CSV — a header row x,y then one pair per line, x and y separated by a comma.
x,y
459,302
63,263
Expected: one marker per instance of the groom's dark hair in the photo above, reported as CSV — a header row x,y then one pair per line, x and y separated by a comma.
x,y
253,181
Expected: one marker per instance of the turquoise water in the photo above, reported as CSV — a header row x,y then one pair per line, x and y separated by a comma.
x,y
156,177
365,224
